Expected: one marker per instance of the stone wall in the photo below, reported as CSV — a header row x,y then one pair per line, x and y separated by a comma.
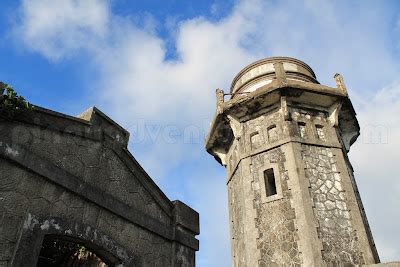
x,y
236,212
339,238
69,177
275,220
272,222
285,145
260,144
94,161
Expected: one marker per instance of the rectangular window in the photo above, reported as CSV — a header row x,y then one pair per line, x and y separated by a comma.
x,y
255,140
302,129
320,132
270,183
272,133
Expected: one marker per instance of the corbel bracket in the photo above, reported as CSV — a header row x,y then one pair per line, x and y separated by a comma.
x,y
236,126
333,117
221,155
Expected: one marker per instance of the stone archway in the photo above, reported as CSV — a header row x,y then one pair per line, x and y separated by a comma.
x,y
65,251
39,233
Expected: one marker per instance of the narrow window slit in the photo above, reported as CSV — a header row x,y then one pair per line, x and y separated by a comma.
x,y
320,132
255,140
302,129
270,183
272,133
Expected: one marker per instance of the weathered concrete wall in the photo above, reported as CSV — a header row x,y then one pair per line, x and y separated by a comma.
x,y
236,200
388,264
314,218
275,220
32,196
263,230
94,161
284,139
66,176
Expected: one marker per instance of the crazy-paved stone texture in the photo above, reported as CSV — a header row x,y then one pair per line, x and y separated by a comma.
x,y
74,177
275,220
339,239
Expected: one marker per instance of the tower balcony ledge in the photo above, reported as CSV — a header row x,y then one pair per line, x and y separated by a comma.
x,y
307,94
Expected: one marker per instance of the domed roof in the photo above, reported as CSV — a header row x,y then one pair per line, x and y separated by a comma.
x,y
263,71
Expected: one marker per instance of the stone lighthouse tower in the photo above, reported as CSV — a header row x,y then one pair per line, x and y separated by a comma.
x,y
284,138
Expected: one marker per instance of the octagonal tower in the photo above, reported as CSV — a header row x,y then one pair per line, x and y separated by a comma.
x,y
283,139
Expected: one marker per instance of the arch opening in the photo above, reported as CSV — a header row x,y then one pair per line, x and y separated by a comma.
x,y
65,251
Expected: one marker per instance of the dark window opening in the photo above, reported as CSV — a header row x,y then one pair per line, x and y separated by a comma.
x,y
302,129
272,133
270,183
58,251
320,132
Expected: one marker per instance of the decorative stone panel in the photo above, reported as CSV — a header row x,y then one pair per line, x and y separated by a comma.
x,y
339,239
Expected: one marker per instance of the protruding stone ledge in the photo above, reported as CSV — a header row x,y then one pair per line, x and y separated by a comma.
x,y
186,217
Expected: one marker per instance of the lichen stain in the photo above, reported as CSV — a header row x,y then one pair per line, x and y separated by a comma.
x,y
11,151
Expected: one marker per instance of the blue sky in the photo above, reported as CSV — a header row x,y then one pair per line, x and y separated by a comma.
x,y
154,65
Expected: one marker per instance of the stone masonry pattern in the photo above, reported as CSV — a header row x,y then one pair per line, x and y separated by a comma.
x,y
64,176
275,220
33,193
340,242
92,161
284,139
236,214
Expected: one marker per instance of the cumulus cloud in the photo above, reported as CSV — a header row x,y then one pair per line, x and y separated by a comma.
x,y
58,28
375,157
137,81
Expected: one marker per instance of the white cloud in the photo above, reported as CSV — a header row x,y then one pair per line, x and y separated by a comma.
x,y
136,81
375,157
58,28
